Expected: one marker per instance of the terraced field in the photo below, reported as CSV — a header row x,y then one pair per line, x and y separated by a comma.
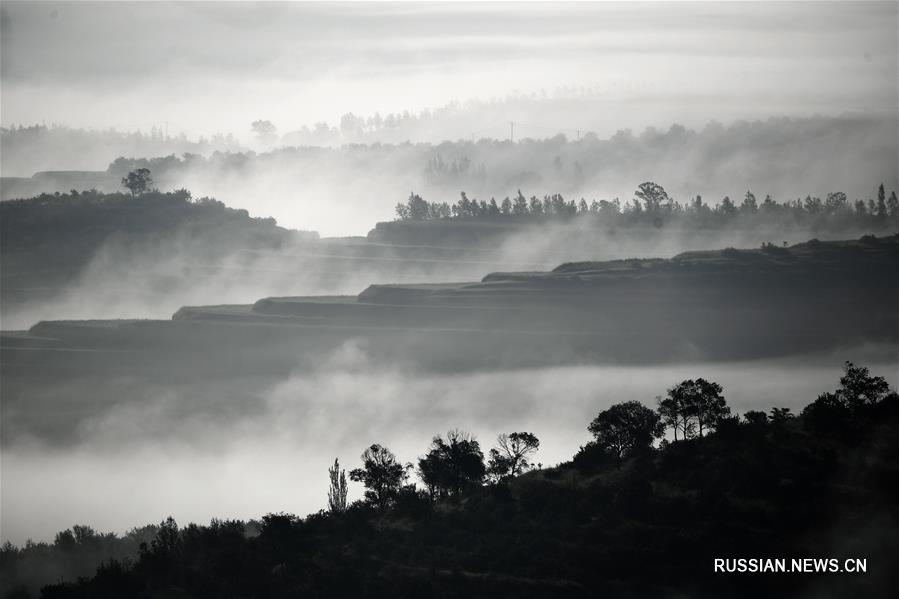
x,y
722,305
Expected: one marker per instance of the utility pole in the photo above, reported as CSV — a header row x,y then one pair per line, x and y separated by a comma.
x,y
511,131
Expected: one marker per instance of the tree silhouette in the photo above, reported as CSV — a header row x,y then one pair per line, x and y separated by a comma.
x,y
338,490
626,427
415,208
755,418
264,130
673,414
700,405
138,181
727,207
859,389
779,415
750,205
381,474
653,196
881,209
510,458
857,397
452,465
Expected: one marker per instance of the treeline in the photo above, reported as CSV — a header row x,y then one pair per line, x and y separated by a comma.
x,y
693,408
626,517
27,149
652,205
848,153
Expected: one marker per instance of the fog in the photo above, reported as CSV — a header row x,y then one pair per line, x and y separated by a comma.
x,y
346,190
297,64
153,278
369,103
245,447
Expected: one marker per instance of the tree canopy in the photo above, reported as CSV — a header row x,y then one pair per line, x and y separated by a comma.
x,y
381,474
137,181
626,427
452,465
512,454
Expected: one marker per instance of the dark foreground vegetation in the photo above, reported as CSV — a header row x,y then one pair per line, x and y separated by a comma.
x,y
624,518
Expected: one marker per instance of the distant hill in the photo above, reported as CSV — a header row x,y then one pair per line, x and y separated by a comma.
x,y
785,157
711,305
48,240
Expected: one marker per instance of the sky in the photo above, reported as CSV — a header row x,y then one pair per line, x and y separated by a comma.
x,y
205,67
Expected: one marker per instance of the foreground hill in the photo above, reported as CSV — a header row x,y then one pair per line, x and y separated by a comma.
x,y
820,487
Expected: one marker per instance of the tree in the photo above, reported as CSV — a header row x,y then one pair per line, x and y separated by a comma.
x,y
750,205
510,458
452,465
881,210
415,208
706,405
893,205
264,131
858,389
520,205
700,404
726,207
755,418
779,415
834,202
338,490
168,539
625,428
138,181
857,397
653,196
381,474
673,414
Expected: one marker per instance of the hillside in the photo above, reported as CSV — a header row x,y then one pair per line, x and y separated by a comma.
x,y
47,241
778,487
715,305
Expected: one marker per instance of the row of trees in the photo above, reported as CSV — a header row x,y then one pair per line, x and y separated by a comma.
x,y
692,408
453,465
651,200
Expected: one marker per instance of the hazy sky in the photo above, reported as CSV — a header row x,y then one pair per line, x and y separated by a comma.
x,y
207,67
